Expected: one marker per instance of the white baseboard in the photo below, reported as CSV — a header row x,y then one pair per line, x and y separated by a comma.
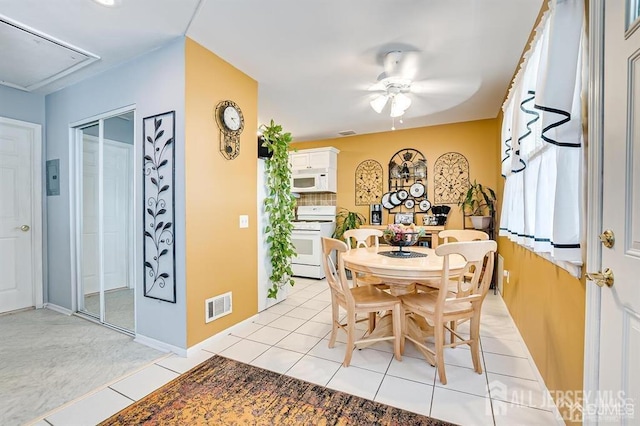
x,y
161,346
58,309
193,349
165,347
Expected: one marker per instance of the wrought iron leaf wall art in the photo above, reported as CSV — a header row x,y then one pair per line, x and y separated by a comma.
x,y
451,177
369,183
158,217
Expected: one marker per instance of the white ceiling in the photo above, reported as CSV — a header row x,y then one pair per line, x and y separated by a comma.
x,y
314,60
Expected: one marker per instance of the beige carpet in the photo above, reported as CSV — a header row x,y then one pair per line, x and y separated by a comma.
x,y
48,359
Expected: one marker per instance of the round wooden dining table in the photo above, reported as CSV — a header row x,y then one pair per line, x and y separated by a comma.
x,y
402,273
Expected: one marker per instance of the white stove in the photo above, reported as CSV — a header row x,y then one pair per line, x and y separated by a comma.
x,y
313,222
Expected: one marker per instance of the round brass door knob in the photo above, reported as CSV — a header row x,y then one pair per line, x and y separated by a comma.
x,y
24,228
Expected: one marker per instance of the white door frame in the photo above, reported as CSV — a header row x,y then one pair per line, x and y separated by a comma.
x,y
75,209
37,226
594,198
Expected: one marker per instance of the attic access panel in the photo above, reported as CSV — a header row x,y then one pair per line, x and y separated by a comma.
x,y
31,59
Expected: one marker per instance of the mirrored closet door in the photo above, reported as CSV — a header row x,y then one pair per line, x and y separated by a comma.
x,y
105,203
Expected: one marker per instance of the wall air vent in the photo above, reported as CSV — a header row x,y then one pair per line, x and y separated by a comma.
x,y
347,133
217,307
31,59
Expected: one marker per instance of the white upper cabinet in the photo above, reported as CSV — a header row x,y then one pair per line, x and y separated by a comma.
x,y
314,158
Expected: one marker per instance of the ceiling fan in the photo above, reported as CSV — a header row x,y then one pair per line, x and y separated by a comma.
x,y
397,87
395,82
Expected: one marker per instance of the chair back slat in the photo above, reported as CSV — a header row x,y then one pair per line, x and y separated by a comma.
x,y
336,275
462,235
362,237
479,256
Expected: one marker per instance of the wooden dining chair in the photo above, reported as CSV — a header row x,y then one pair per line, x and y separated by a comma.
x,y
357,300
461,235
443,307
364,237
456,235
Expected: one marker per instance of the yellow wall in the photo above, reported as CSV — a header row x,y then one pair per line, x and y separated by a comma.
x,y
476,140
548,306
220,257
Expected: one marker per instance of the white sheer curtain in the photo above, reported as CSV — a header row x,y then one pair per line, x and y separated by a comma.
x,y
542,140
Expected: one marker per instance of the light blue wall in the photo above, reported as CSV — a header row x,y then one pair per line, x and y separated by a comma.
x,y
155,83
21,105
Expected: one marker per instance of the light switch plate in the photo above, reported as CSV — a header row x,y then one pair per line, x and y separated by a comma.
x,y
244,221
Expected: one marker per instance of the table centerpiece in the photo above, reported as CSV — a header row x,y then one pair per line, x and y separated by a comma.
x,y
402,236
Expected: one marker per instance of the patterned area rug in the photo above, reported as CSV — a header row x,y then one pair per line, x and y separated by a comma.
x,y
221,391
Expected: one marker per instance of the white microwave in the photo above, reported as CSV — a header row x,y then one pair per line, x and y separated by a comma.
x,y
314,180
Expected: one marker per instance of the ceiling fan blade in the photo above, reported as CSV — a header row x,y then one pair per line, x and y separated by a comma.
x,y
443,86
379,86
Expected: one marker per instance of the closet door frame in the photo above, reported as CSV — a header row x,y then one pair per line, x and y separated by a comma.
x,y
76,210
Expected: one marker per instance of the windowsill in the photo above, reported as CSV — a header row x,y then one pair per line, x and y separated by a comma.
x,y
574,268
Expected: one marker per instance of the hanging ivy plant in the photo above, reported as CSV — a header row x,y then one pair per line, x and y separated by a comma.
x,y
279,206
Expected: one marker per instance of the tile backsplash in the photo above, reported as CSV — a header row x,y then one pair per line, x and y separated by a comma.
x,y
317,199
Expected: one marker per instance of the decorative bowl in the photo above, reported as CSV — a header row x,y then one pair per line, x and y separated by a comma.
x,y
403,239
402,236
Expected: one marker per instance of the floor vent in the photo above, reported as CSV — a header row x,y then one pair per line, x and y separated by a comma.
x,y
347,133
217,307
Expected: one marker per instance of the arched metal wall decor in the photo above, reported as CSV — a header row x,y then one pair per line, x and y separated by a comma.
x,y
369,183
450,178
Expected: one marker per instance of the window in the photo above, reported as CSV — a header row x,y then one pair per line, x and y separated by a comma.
x,y
542,141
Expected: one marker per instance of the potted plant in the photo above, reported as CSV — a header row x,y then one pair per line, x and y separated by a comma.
x,y
346,220
279,206
478,203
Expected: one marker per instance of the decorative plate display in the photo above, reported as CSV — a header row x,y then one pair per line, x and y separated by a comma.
x,y
385,201
417,189
394,199
403,194
424,205
409,203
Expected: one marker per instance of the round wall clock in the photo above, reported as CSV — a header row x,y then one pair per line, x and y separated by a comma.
x,y
230,121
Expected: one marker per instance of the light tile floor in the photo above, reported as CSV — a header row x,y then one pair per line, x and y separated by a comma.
x,y
292,338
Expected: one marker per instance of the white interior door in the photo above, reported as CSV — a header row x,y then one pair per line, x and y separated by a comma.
x,y
19,276
116,214
619,345
118,195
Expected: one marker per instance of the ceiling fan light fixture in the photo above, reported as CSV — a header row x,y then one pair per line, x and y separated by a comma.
x,y
396,107
108,3
402,101
379,103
